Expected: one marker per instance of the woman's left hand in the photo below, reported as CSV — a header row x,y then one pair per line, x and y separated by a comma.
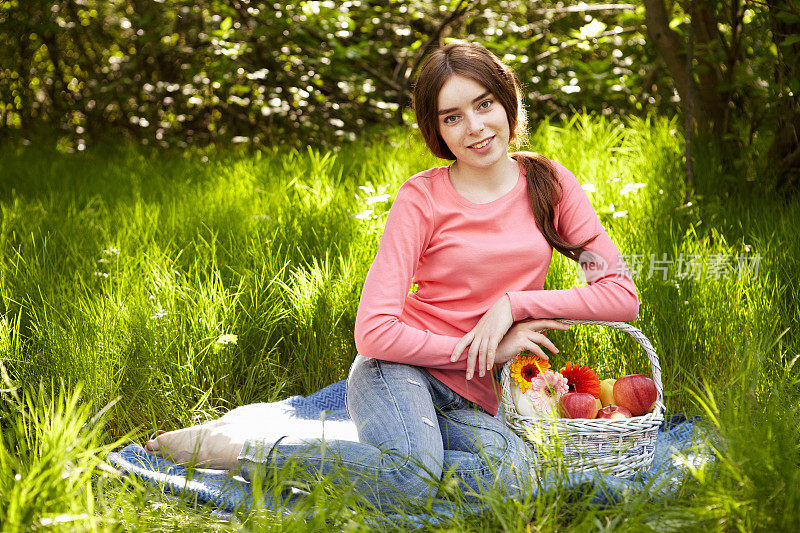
x,y
485,337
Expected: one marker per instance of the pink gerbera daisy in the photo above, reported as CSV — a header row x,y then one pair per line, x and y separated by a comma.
x,y
546,389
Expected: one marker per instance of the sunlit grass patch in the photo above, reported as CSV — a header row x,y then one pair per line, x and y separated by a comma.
x,y
187,283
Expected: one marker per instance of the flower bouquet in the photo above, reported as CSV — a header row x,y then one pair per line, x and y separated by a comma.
x,y
538,391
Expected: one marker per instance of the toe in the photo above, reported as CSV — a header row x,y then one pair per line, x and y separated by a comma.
x,y
152,446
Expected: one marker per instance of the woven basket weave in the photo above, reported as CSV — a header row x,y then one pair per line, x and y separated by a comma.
x,y
621,447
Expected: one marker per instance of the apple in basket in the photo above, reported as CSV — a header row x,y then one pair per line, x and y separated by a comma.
x,y
637,392
607,391
614,411
578,405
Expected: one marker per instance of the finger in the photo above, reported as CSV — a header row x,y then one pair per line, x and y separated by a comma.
x,y
465,340
541,339
544,325
471,358
490,356
482,356
538,351
460,345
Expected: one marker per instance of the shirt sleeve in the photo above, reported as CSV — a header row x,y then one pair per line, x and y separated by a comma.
x,y
610,293
379,333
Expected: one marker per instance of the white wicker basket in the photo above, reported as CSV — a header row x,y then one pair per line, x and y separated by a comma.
x,y
621,447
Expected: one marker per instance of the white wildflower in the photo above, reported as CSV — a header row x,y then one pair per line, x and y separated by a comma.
x,y
228,338
628,187
378,198
363,215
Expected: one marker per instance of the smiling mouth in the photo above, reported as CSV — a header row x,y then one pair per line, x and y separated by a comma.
x,y
481,144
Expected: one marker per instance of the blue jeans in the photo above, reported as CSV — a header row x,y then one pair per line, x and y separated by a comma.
x,y
413,430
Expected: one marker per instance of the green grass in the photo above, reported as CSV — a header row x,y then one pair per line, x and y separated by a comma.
x,y
143,290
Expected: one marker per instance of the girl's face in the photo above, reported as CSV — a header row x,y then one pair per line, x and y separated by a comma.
x,y
472,123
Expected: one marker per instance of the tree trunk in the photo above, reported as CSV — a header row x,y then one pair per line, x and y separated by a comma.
x,y
784,154
709,103
670,48
709,41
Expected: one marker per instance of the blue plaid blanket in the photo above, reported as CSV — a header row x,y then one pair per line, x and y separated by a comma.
x,y
678,448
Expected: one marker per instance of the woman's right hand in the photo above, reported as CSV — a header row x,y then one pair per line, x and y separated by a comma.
x,y
526,335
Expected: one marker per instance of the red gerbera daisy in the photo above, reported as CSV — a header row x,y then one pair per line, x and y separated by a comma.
x,y
581,379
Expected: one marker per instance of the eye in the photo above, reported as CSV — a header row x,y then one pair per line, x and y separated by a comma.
x,y
485,104
447,119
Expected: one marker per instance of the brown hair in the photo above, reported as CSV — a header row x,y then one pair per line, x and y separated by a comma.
x,y
473,61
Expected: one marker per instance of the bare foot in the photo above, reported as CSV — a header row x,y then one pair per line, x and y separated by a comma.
x,y
206,445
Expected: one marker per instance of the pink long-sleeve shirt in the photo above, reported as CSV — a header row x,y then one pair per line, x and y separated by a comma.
x,y
465,256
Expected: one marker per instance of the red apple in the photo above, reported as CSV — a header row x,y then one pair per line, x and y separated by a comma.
x,y
614,411
636,392
578,405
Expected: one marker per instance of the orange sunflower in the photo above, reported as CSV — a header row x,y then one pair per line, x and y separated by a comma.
x,y
581,379
526,367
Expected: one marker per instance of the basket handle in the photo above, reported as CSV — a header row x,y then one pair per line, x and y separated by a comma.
x,y
638,336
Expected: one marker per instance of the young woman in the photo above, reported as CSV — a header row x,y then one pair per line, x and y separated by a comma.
x,y
477,237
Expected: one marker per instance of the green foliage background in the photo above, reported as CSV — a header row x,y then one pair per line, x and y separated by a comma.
x,y
174,72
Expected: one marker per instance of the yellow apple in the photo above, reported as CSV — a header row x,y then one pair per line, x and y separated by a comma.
x,y
599,404
607,391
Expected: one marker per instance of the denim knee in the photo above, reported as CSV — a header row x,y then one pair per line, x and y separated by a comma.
x,y
505,458
514,465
